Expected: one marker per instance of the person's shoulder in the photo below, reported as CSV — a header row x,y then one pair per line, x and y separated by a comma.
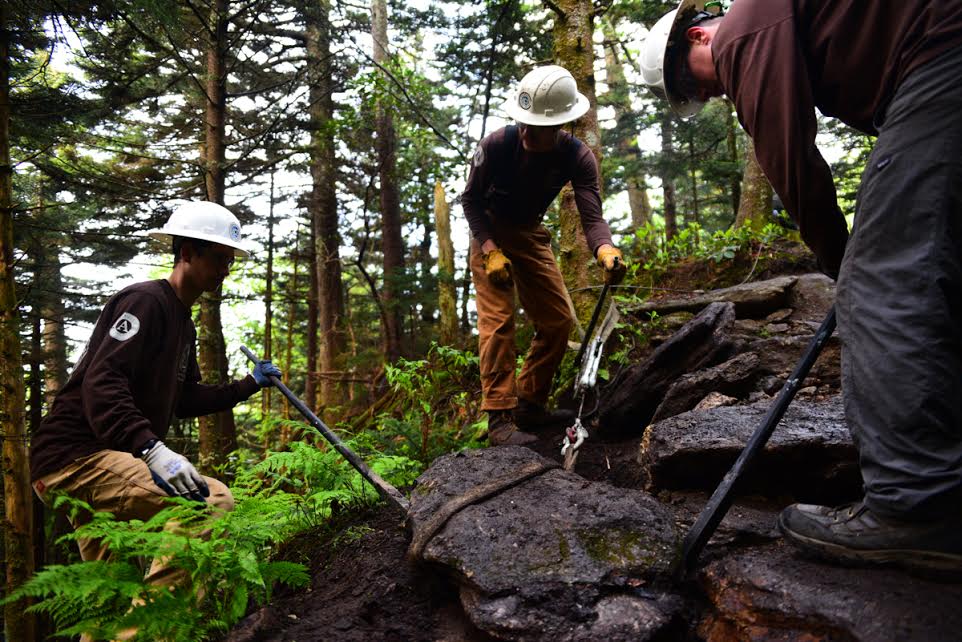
x,y
747,17
152,294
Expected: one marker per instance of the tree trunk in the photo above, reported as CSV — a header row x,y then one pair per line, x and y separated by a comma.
x,y
18,511
626,145
54,339
574,50
291,313
447,296
667,179
755,207
392,245
693,180
736,188
310,380
268,308
323,203
218,434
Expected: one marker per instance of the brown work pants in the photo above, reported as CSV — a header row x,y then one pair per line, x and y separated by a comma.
x,y
542,294
119,483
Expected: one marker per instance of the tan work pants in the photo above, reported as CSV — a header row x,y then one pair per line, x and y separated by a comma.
x,y
119,483
541,291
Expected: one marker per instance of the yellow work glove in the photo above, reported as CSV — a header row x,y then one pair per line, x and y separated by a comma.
x,y
609,257
497,266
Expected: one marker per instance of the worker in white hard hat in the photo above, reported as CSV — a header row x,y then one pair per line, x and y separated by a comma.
x,y
888,69
515,175
102,439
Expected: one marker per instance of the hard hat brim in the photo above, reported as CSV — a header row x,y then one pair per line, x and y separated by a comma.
x,y
682,106
167,238
525,116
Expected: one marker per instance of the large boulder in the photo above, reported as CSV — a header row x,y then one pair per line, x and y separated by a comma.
x,y
552,556
809,456
772,593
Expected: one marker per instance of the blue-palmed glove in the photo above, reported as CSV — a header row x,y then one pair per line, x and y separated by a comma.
x,y
263,370
175,475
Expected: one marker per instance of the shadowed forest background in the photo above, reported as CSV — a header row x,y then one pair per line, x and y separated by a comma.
x,y
340,134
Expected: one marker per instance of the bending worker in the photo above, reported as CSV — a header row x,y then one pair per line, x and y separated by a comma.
x,y
516,173
888,69
102,440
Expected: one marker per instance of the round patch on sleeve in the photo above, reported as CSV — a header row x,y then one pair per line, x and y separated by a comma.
x,y
125,327
479,156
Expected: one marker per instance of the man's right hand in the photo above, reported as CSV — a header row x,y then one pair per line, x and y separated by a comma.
x,y
497,266
174,474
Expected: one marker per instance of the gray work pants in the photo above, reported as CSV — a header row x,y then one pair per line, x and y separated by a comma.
x,y
899,302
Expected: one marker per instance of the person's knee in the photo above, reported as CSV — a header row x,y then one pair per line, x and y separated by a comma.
x,y
220,496
558,326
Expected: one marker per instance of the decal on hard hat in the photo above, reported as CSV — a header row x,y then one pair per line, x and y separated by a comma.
x,y
234,232
479,156
125,327
524,100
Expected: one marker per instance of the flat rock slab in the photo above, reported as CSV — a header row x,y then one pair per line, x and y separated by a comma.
x,y
553,557
772,593
810,456
752,300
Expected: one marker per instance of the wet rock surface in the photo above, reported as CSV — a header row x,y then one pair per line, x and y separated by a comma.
x,y
810,455
584,565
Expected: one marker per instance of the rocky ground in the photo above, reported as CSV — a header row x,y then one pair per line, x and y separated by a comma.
x,y
541,553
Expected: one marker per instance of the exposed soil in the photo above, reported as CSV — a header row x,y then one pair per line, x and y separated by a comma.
x,y
361,589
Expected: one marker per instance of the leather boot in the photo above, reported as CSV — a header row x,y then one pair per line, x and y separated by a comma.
x,y
502,431
529,415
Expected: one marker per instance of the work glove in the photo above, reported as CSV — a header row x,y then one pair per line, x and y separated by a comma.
x,y
174,474
497,266
264,369
609,257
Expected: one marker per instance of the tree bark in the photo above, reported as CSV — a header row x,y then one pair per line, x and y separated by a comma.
x,y
574,50
755,207
667,178
323,203
218,433
392,245
447,296
626,145
18,511
736,188
268,308
291,313
53,336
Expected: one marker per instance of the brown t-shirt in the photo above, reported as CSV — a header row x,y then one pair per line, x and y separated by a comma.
x,y
138,370
535,179
780,59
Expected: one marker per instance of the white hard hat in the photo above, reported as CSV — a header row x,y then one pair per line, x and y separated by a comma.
x,y
547,96
205,221
666,33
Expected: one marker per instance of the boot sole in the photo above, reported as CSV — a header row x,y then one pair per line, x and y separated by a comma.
x,y
934,564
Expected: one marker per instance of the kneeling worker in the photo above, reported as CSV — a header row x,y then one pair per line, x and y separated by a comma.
x,y
101,440
516,173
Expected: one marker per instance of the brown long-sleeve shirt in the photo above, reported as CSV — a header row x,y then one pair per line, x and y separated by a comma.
x,y
536,179
139,370
778,60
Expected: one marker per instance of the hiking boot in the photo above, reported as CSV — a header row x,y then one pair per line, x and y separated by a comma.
x,y
502,431
530,415
852,533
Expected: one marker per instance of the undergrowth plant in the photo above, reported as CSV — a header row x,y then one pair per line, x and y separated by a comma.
x,y
438,405
227,557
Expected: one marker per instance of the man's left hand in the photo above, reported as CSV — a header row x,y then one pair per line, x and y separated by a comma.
x,y
609,257
263,371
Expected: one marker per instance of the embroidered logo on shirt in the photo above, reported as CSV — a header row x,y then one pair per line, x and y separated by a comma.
x,y
125,327
524,100
478,156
